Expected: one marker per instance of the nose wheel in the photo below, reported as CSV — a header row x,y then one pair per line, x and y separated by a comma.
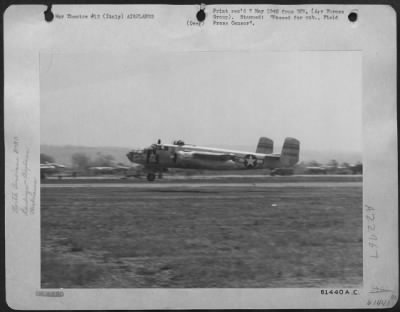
x,y
151,176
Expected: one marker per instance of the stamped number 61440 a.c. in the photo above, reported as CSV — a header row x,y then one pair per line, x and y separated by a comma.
x,y
339,292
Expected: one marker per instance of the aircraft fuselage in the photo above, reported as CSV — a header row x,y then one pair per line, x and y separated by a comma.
x,y
199,157
159,157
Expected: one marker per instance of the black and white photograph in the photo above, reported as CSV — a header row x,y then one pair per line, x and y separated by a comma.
x,y
185,170
201,157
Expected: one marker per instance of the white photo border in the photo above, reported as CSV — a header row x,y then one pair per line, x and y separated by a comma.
x,y
26,35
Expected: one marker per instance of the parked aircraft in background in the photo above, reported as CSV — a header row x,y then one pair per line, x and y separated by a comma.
x,y
349,169
51,169
159,157
118,169
282,171
316,170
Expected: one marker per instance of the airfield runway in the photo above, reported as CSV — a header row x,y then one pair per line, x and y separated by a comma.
x,y
255,232
155,185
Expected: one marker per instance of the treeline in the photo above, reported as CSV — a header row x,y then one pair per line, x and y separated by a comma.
x,y
82,161
44,158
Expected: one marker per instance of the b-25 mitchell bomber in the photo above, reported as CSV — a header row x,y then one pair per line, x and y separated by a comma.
x,y
157,158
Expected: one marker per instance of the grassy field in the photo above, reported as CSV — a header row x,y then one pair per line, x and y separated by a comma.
x,y
207,237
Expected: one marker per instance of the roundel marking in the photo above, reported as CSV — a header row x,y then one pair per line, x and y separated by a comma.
x,y
250,161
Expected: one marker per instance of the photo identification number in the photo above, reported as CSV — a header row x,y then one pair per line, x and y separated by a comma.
x,y
339,292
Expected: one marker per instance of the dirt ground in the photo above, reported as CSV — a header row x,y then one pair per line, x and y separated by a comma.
x,y
205,237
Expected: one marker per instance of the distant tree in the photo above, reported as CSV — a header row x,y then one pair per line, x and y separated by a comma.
x,y
80,161
333,163
46,158
313,163
102,160
345,165
301,164
357,168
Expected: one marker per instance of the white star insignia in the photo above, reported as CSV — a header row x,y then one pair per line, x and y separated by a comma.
x,y
250,161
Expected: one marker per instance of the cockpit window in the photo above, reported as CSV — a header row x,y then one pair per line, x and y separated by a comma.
x,y
179,142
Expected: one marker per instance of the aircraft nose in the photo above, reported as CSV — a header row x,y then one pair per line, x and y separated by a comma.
x,y
130,156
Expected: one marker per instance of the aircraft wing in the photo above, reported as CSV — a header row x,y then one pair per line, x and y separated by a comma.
x,y
272,156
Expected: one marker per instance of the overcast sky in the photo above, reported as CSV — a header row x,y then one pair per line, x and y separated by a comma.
x,y
204,98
